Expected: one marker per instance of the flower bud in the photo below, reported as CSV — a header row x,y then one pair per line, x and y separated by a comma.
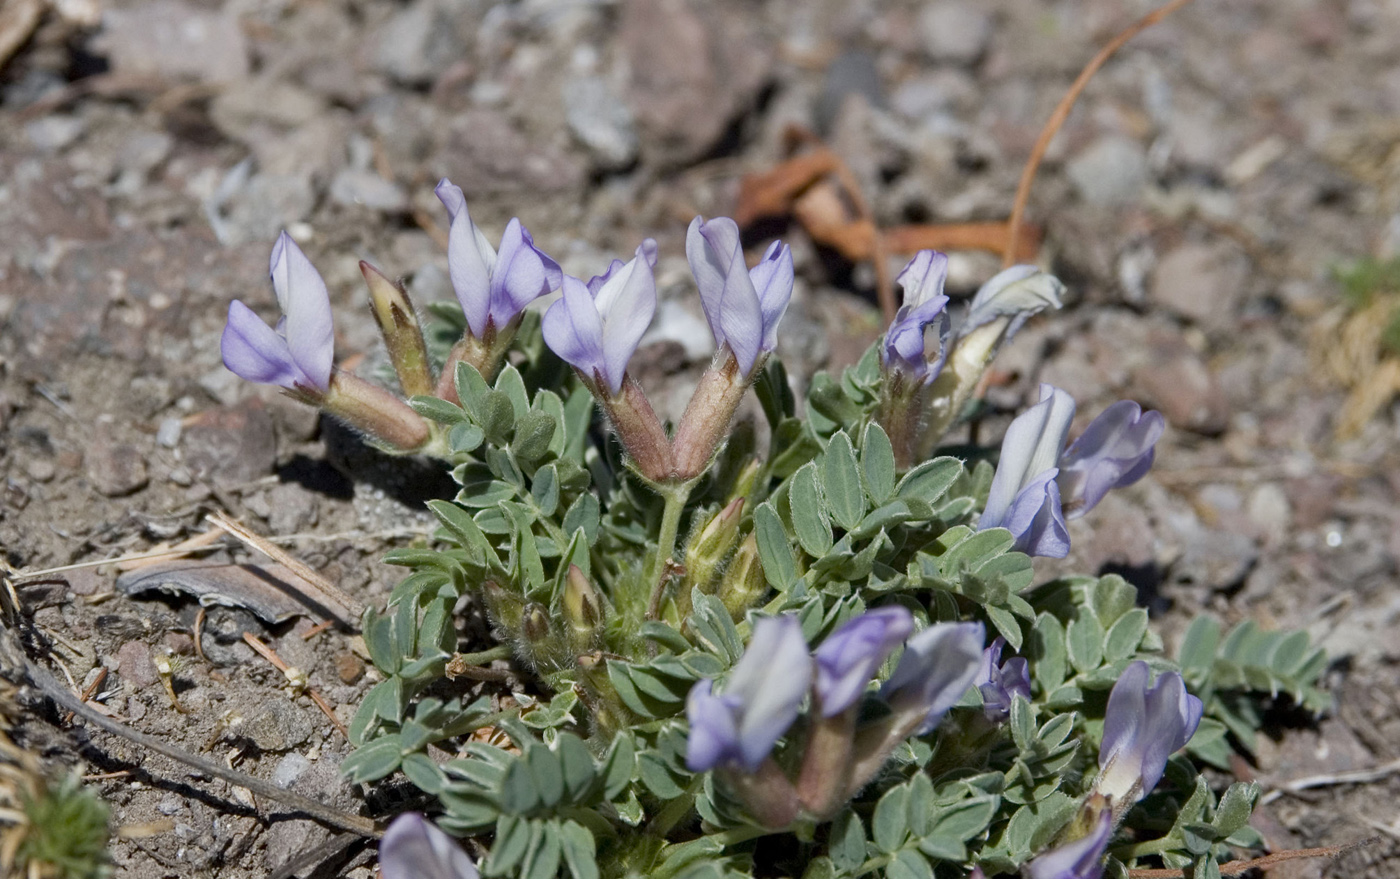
x,y
583,608
377,412
744,584
534,623
402,334
711,545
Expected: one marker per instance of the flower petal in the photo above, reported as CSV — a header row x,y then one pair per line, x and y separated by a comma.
x,y
310,331
1032,445
850,656
413,848
770,679
522,274
713,738
1080,859
1115,450
772,280
726,291
627,303
937,667
1018,293
573,329
1037,520
470,258
253,351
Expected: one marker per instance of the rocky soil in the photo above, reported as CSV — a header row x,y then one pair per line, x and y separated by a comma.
x,y
1198,202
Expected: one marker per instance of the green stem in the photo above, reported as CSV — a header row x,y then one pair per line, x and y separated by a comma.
x,y
500,651
872,864
675,495
1143,849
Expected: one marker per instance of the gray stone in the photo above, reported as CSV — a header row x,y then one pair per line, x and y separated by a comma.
x,y
265,206
52,133
277,726
289,769
1186,391
955,32
168,434
352,187
231,445
601,122
1111,171
1269,510
114,468
135,666
692,68
175,40
1202,282
486,152
244,111
419,43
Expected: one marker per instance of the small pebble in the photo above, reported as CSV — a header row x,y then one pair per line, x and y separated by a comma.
x,y
349,667
289,769
41,470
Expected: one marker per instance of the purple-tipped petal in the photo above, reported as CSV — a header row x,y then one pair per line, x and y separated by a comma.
x,y
937,667
772,279
470,258
760,701
573,329
906,341
850,657
1032,446
253,351
1037,520
522,274
627,303
1115,450
413,848
1143,726
1000,682
309,330
1080,859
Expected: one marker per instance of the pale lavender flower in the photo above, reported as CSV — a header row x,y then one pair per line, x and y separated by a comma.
x,y
1018,293
743,306
299,353
1000,682
1143,726
760,701
492,287
1080,859
413,848
1024,497
595,327
937,667
906,341
1115,450
850,657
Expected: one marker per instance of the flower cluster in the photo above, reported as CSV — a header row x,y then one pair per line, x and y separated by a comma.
x,y
725,643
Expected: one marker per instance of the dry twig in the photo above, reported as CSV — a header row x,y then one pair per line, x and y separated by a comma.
x,y
296,677
1238,867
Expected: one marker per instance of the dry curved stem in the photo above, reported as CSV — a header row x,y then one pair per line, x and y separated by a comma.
x,y
1237,867
1057,119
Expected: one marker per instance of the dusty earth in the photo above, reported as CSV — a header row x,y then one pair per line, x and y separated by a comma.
x,y
1198,202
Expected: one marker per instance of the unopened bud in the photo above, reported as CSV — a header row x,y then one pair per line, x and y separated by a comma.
x,y
744,584
535,623
375,411
402,335
707,417
711,545
747,478
582,607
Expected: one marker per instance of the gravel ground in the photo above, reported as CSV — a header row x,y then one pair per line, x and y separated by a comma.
x,y
1199,202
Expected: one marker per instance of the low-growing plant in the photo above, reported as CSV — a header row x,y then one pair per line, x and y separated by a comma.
x,y
813,647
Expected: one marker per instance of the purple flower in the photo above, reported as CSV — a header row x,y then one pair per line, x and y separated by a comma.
x,y
743,306
413,848
906,342
1143,726
595,327
937,667
1024,497
1080,859
1037,479
851,656
298,355
759,703
1113,451
1019,293
1000,682
492,287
